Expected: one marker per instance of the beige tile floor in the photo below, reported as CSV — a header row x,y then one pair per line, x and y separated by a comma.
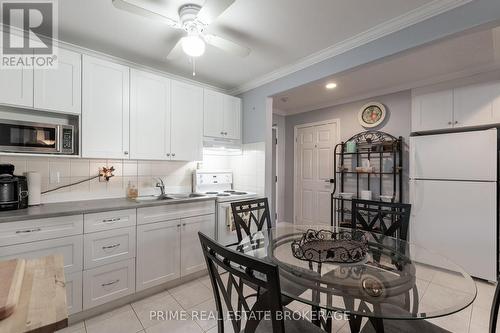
x,y
197,295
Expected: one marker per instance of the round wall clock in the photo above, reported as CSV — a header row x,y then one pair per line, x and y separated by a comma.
x,y
372,114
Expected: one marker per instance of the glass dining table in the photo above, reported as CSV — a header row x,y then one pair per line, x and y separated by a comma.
x,y
392,279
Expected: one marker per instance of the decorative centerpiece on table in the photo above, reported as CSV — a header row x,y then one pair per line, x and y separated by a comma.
x,y
334,247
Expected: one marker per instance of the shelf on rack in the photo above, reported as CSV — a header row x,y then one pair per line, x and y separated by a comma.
x,y
369,173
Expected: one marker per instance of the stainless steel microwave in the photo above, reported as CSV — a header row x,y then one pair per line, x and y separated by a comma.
x,y
28,137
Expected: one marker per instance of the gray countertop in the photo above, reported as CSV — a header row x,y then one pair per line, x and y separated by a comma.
x,y
85,206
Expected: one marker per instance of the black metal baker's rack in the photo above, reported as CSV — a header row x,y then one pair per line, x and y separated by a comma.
x,y
377,147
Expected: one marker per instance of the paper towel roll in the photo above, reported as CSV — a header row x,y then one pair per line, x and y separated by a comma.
x,y
34,188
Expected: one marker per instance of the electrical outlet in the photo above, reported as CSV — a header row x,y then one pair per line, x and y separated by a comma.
x,y
55,177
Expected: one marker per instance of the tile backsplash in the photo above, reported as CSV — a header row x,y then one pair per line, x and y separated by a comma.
x,y
248,174
62,171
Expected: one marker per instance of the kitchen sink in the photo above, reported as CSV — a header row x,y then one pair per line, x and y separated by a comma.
x,y
186,195
150,198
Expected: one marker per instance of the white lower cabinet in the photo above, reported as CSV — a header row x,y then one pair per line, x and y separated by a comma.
x,y
107,283
74,292
192,259
70,247
170,248
158,253
105,247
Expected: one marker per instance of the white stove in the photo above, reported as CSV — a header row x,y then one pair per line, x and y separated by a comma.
x,y
219,184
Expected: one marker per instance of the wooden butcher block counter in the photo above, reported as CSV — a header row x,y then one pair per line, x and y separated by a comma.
x,y
41,306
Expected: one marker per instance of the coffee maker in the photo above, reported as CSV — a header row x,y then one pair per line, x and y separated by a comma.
x,y
13,189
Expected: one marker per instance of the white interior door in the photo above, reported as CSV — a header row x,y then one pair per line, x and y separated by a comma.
x,y
314,169
456,219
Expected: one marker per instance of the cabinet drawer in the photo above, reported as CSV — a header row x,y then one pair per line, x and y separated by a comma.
x,y
110,246
70,247
34,230
74,285
174,211
107,283
109,220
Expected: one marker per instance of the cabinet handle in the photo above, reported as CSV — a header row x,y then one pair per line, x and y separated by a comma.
x,y
28,231
110,246
222,133
449,123
173,154
178,226
110,283
111,221
125,152
184,224
168,154
456,122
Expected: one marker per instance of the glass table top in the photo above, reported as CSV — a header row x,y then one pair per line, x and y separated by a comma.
x,y
394,280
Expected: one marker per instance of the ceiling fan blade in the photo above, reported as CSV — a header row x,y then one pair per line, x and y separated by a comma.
x,y
131,8
212,9
176,51
227,45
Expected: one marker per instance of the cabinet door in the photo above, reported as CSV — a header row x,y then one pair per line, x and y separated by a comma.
x,y
187,122
16,87
192,259
74,292
158,253
213,114
105,109
432,111
149,116
232,117
60,89
71,248
477,104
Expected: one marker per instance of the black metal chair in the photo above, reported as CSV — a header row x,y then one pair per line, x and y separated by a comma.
x,y
246,213
388,219
267,313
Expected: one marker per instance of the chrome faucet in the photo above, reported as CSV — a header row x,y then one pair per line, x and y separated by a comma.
x,y
161,185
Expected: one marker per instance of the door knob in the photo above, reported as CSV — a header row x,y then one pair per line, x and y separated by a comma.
x,y
331,181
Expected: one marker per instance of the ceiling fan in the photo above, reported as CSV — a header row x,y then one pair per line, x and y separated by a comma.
x,y
193,19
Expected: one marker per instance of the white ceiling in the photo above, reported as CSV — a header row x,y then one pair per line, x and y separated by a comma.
x,y
279,32
452,58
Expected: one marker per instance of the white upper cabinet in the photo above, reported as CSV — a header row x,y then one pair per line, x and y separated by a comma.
x,y
222,116
232,117
478,104
16,87
149,116
432,111
105,109
213,114
187,122
59,89
472,105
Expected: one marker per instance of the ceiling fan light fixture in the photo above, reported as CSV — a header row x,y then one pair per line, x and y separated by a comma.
x,y
193,46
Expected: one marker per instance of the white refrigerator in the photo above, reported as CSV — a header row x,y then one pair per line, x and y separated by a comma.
x,y
453,192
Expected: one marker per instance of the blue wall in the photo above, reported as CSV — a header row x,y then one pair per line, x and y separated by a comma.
x,y
473,14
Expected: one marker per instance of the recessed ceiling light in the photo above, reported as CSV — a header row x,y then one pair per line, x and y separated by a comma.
x,y
331,85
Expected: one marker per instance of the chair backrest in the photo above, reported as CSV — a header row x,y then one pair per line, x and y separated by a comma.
x,y
495,306
242,272
246,213
389,219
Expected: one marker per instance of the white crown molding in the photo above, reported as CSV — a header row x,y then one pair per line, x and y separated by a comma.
x,y
487,72
410,18
280,112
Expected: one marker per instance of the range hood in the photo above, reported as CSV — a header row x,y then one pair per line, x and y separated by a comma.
x,y
220,143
